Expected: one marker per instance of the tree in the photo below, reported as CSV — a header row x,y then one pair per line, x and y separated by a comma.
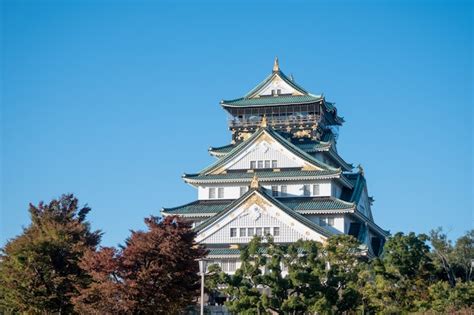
x,y
319,278
156,272
464,256
39,269
398,281
443,253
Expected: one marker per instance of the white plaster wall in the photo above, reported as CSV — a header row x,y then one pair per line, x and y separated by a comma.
x,y
339,221
232,191
275,84
265,151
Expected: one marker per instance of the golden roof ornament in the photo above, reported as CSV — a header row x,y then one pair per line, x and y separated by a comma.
x,y
276,66
254,184
264,122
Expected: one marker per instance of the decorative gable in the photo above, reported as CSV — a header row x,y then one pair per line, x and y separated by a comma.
x,y
266,145
276,86
256,212
266,152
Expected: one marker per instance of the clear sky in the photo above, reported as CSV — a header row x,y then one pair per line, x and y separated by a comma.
x,y
113,101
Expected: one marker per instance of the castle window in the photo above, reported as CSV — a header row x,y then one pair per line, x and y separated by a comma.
x,y
275,191
267,163
253,164
306,191
278,91
243,190
266,231
274,164
243,232
212,193
233,232
331,221
258,231
250,232
283,190
316,190
260,164
276,231
220,192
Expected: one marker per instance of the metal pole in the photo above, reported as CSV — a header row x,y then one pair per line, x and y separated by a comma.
x,y
202,293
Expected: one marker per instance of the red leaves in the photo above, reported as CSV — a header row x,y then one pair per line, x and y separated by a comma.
x,y
156,272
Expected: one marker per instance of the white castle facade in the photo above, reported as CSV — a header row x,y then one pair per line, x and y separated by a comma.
x,y
281,176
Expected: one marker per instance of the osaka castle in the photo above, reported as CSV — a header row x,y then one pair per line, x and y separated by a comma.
x,y
281,175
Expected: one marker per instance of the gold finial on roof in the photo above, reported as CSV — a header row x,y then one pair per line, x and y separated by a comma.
x,y
263,122
254,184
276,66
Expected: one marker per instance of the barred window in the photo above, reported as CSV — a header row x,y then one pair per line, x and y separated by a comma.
x,y
316,190
276,231
258,231
267,163
266,231
212,193
275,191
250,232
253,164
274,164
306,191
220,193
233,232
260,164
243,232
283,190
331,221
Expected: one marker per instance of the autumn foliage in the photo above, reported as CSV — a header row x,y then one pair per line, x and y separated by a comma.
x,y
154,273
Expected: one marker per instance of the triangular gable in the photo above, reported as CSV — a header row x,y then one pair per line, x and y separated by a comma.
x,y
276,81
256,205
266,137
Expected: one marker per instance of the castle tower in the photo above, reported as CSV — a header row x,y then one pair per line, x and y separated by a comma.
x,y
281,175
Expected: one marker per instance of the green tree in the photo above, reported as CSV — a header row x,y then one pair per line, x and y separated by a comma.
x,y
318,278
464,256
398,281
39,269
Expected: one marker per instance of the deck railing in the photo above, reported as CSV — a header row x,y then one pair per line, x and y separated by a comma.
x,y
273,121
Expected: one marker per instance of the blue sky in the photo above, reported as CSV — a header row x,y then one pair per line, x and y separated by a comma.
x,y
114,101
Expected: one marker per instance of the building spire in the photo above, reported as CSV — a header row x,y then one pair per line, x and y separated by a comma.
x,y
276,66
254,184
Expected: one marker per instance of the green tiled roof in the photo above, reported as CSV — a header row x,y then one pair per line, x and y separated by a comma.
x,y
299,204
199,207
316,203
262,176
307,146
224,252
271,100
